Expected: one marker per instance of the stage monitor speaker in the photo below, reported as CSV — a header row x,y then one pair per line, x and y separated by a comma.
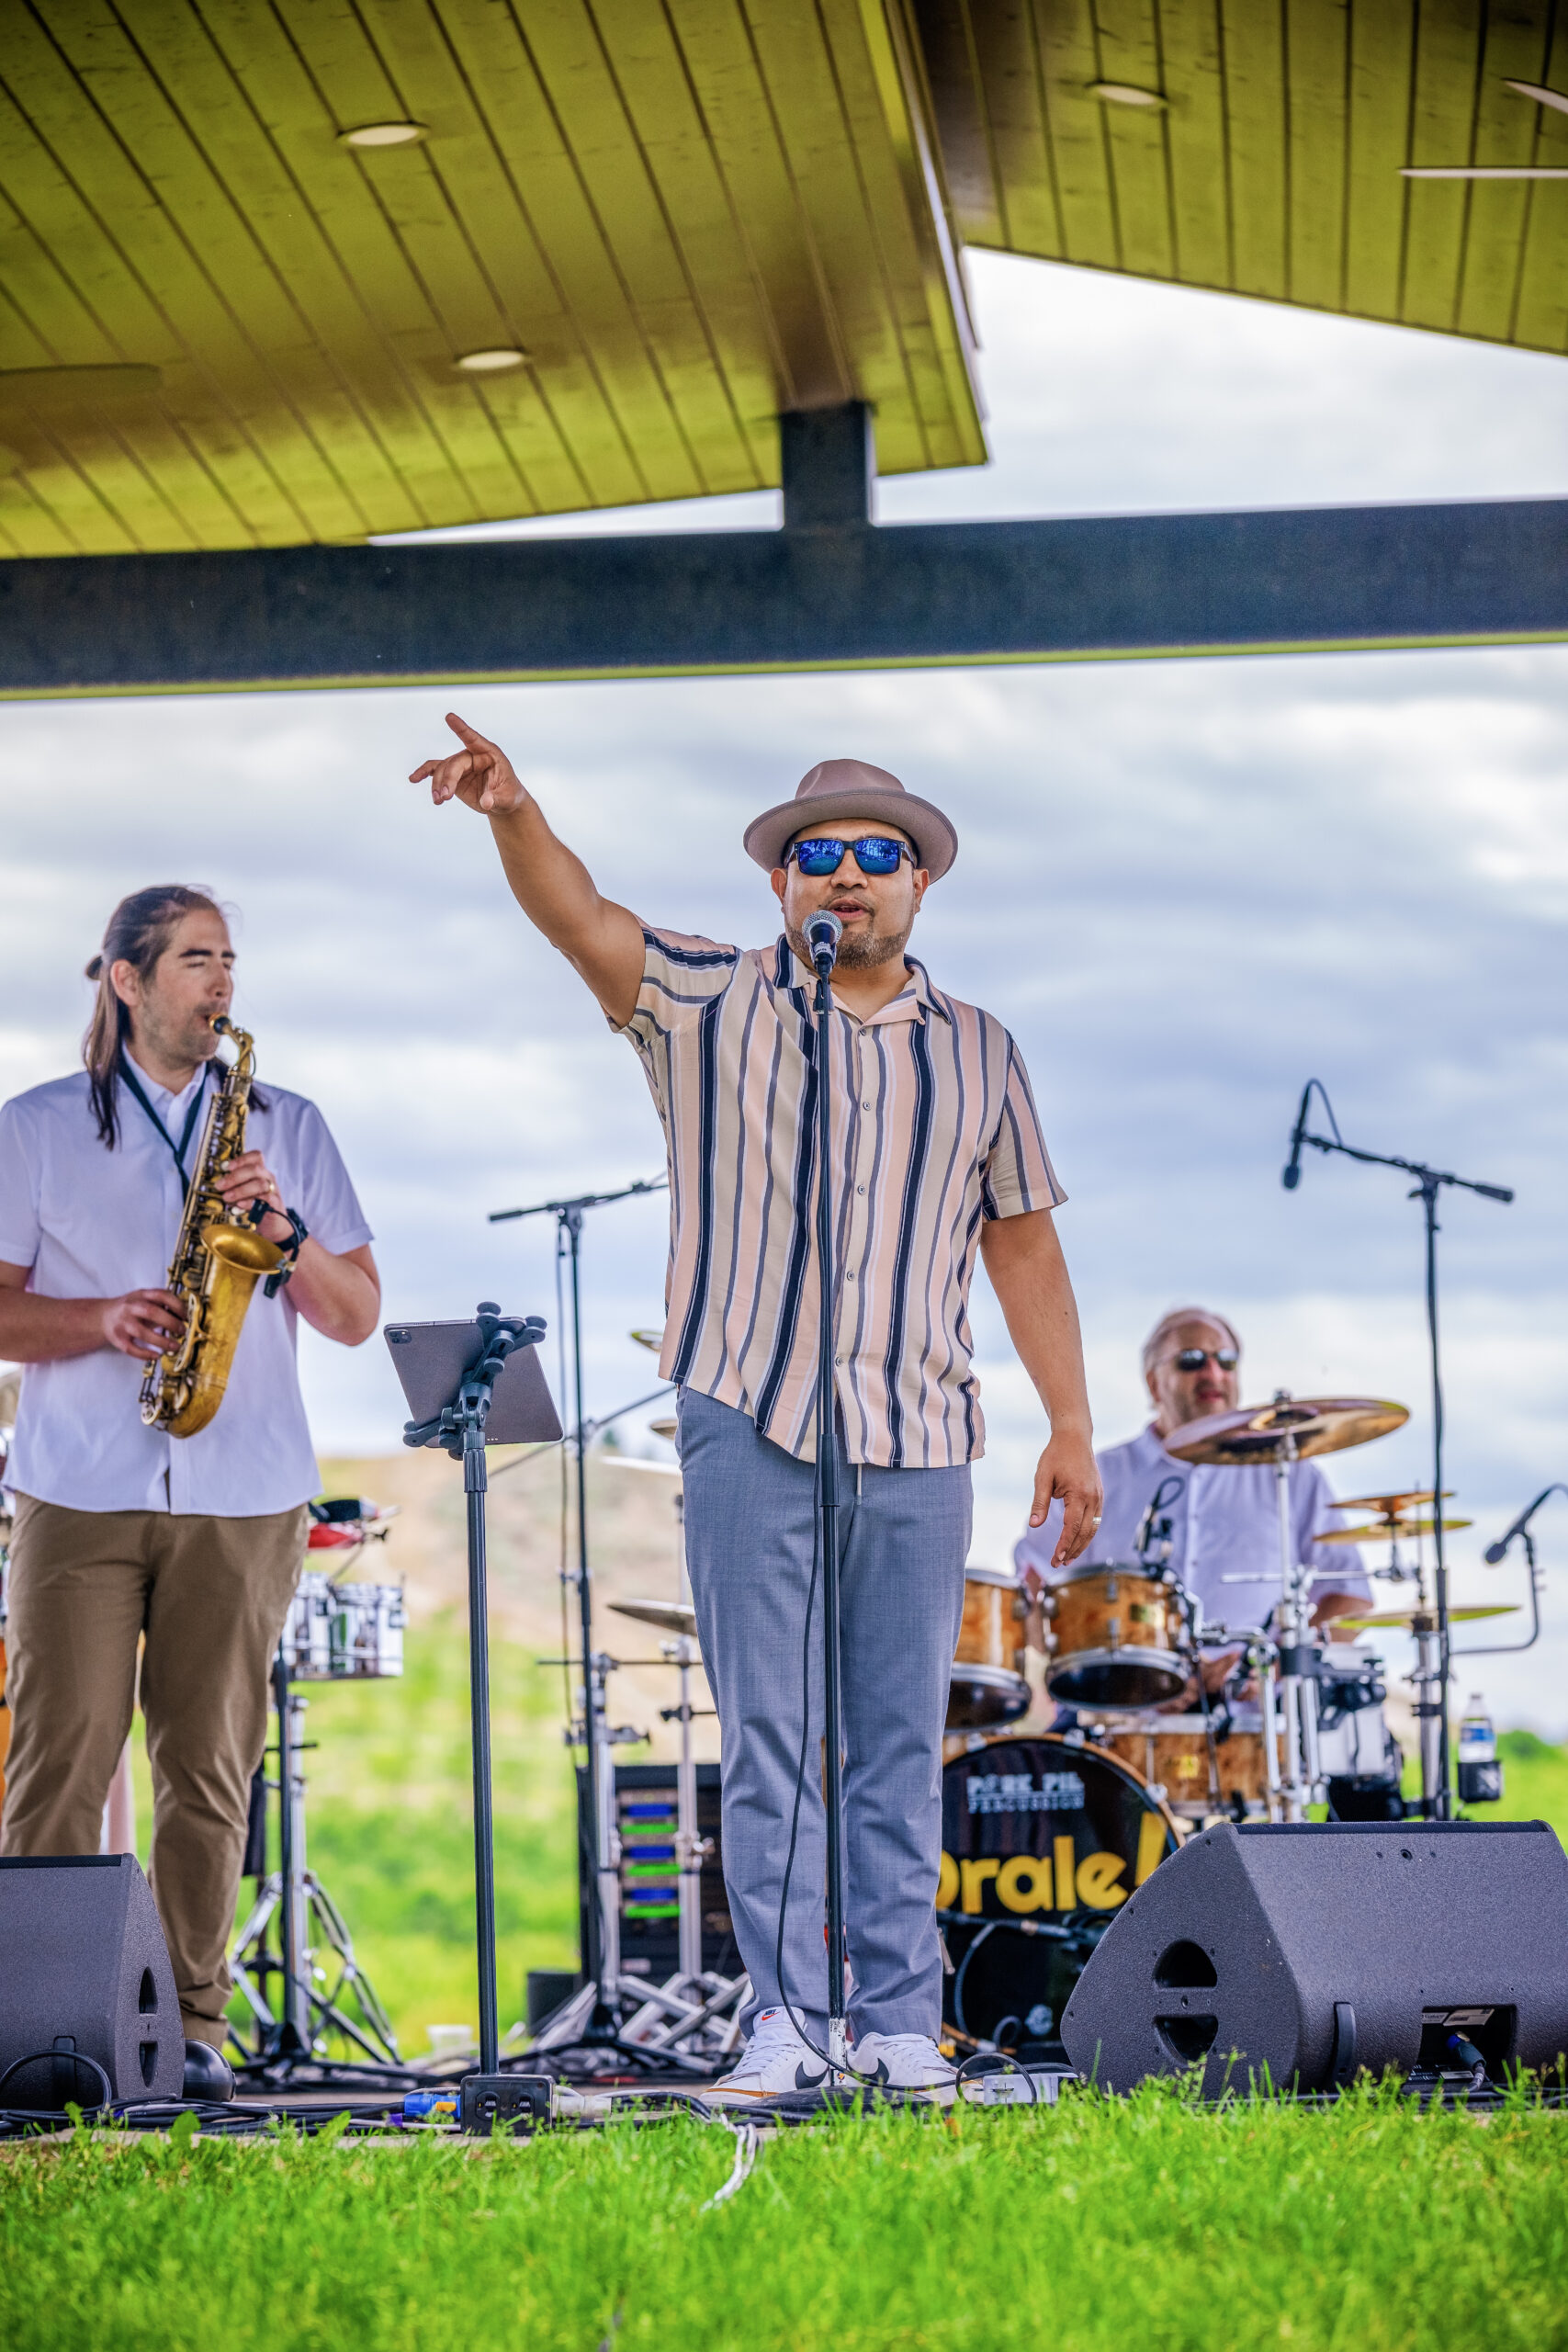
x,y
1307,1954
83,1969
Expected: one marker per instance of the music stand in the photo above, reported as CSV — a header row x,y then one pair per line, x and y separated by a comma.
x,y
468,1385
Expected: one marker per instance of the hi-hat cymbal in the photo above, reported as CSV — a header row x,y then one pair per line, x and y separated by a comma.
x,y
1394,1506
1318,1424
670,1429
672,1615
652,1340
1407,1619
1388,1530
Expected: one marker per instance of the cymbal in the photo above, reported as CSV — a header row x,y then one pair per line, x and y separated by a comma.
x,y
672,1615
1394,1506
652,1340
1318,1424
670,1429
1405,1618
1388,1531
634,1462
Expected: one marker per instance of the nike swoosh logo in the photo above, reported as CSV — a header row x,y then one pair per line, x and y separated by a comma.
x,y
804,2082
880,2076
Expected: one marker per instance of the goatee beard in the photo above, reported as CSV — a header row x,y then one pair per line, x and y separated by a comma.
x,y
857,952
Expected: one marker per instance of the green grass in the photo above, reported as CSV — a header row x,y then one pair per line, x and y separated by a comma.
x,y
390,1827
1097,2227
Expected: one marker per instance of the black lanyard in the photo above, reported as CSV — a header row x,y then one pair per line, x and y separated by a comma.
x,y
197,1098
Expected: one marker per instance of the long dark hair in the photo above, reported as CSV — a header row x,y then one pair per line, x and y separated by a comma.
x,y
139,930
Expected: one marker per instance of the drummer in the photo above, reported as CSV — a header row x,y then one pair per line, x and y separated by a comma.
x,y
1224,1522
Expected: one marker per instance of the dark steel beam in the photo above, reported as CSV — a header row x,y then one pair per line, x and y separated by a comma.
x,y
831,594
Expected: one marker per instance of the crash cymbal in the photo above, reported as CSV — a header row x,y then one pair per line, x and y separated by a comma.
x,y
672,1615
652,1340
1406,1618
634,1462
1318,1424
1388,1530
1394,1506
670,1429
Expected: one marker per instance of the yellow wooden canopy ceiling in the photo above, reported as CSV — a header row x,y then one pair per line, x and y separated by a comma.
x,y
220,325
1272,162
689,214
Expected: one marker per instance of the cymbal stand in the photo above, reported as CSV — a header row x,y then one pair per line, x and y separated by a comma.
x,y
1436,1802
1291,1687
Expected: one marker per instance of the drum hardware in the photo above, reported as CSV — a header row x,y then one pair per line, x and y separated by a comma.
x,y
1285,1430
1436,1785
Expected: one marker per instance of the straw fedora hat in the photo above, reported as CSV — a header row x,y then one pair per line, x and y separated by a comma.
x,y
838,788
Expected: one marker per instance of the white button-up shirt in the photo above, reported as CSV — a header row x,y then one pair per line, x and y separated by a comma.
x,y
93,1223
1224,1524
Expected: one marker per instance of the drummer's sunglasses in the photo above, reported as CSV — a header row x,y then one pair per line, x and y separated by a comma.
x,y
820,856
1194,1358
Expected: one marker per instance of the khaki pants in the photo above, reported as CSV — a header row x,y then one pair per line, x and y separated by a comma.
x,y
210,1595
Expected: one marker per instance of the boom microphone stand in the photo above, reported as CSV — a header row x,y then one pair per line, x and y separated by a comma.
x,y
1436,1802
601,1958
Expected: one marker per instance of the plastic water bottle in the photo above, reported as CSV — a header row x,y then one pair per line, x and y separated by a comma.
x,y
1480,1772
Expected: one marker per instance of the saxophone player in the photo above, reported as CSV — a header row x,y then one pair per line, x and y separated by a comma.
x,y
123,1531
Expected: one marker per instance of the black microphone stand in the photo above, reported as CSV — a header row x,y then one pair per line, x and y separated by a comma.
x,y
602,2024
1494,1556
1428,1181
824,952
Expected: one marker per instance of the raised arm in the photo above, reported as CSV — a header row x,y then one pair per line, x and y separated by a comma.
x,y
548,881
1023,1255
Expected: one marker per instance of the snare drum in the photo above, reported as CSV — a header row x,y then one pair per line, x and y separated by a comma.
x,y
339,1633
1172,1754
988,1685
1116,1639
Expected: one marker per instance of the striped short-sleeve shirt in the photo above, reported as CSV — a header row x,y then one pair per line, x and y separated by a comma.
x,y
934,1130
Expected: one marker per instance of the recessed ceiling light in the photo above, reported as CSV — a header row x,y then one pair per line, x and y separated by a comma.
x,y
492,363
1484,172
384,134
1543,96
1125,94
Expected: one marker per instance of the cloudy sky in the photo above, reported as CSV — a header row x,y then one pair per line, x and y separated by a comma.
x,y
1187,886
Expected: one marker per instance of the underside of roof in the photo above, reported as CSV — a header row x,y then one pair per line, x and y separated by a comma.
x,y
1271,160
221,326
667,221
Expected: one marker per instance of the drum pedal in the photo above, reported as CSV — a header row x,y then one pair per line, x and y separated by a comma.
x,y
517,2103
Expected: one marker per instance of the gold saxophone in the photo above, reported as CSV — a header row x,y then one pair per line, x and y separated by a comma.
x,y
216,1261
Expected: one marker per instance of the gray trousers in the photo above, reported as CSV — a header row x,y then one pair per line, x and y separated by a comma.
x,y
904,1538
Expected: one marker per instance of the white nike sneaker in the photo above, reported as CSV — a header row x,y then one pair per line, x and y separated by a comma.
x,y
774,2061
902,2062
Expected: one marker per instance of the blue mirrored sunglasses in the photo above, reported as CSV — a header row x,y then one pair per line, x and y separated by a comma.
x,y
877,854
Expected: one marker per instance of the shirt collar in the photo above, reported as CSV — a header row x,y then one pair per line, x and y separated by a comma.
x,y
162,1102
914,1000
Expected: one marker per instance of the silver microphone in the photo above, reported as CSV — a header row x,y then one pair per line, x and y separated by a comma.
x,y
823,933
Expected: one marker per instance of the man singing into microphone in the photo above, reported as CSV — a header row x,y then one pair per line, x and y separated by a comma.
x,y
937,1154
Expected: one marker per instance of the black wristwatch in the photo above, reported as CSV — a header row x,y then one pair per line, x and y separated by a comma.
x,y
280,1274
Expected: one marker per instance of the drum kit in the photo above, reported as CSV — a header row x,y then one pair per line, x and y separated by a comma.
x,y
334,1632
1044,1837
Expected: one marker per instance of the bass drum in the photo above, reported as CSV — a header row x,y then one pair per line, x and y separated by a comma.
x,y
1043,1841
